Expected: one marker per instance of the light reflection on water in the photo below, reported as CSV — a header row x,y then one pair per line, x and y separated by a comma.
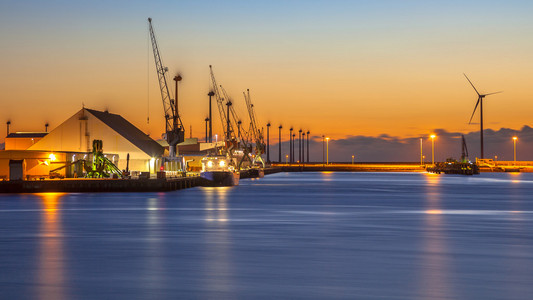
x,y
51,270
307,236
218,272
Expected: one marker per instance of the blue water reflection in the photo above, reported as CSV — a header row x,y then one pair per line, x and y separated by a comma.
x,y
299,235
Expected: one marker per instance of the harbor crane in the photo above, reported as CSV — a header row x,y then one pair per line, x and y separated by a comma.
x,y
174,130
230,124
256,134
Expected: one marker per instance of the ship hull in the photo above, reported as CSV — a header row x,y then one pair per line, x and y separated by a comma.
x,y
220,178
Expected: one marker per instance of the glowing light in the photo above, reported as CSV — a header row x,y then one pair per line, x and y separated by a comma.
x,y
432,136
222,163
434,212
515,138
209,164
52,157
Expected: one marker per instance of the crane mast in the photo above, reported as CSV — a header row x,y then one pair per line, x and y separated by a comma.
x,y
220,104
257,135
174,131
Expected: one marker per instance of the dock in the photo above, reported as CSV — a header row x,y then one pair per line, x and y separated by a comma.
x,y
99,185
357,167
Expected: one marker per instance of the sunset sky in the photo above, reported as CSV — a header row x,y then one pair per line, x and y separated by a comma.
x,y
339,68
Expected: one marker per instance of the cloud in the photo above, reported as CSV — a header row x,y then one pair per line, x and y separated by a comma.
x,y
385,148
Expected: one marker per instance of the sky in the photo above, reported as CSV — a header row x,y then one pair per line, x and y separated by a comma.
x,y
345,69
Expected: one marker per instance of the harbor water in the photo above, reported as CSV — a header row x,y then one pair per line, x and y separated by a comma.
x,y
285,236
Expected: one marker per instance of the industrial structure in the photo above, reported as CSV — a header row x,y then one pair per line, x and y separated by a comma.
x,y
72,140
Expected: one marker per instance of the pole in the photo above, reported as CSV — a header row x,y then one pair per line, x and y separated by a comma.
x,y
206,137
227,122
290,145
303,147
279,143
421,159
293,147
211,94
8,123
308,146
327,151
432,150
323,152
514,142
300,145
353,156
481,125
268,142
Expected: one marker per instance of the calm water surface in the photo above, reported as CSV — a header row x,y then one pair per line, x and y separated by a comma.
x,y
297,236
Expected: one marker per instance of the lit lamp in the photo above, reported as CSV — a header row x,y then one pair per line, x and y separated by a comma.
x,y
433,148
353,156
514,142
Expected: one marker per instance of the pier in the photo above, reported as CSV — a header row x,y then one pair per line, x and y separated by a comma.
x,y
99,185
346,167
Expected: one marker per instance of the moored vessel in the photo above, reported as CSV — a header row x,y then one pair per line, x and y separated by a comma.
x,y
218,170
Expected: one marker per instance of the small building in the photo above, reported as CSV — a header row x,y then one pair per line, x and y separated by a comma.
x,y
41,153
22,140
119,137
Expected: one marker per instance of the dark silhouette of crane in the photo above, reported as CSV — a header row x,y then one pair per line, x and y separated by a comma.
x,y
174,131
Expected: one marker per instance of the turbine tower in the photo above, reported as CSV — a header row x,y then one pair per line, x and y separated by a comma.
x,y
480,104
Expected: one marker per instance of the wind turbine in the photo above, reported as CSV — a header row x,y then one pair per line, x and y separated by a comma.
x,y
480,103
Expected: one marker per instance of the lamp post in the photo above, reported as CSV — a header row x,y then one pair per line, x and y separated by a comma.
x,y
432,148
308,146
421,155
353,156
8,123
293,146
290,144
206,122
210,94
286,158
303,147
268,142
514,142
323,152
279,143
300,145
216,138
327,151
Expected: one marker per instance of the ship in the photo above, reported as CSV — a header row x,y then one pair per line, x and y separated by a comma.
x,y
218,170
452,166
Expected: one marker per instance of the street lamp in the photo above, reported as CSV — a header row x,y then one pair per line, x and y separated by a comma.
x,y
279,143
290,144
353,156
433,148
268,142
327,151
514,142
421,155
286,158
323,148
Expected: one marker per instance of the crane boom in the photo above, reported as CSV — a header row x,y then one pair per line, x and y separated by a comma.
x,y
220,101
174,131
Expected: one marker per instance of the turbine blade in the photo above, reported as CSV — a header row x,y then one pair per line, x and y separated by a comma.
x,y
477,103
494,93
472,84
